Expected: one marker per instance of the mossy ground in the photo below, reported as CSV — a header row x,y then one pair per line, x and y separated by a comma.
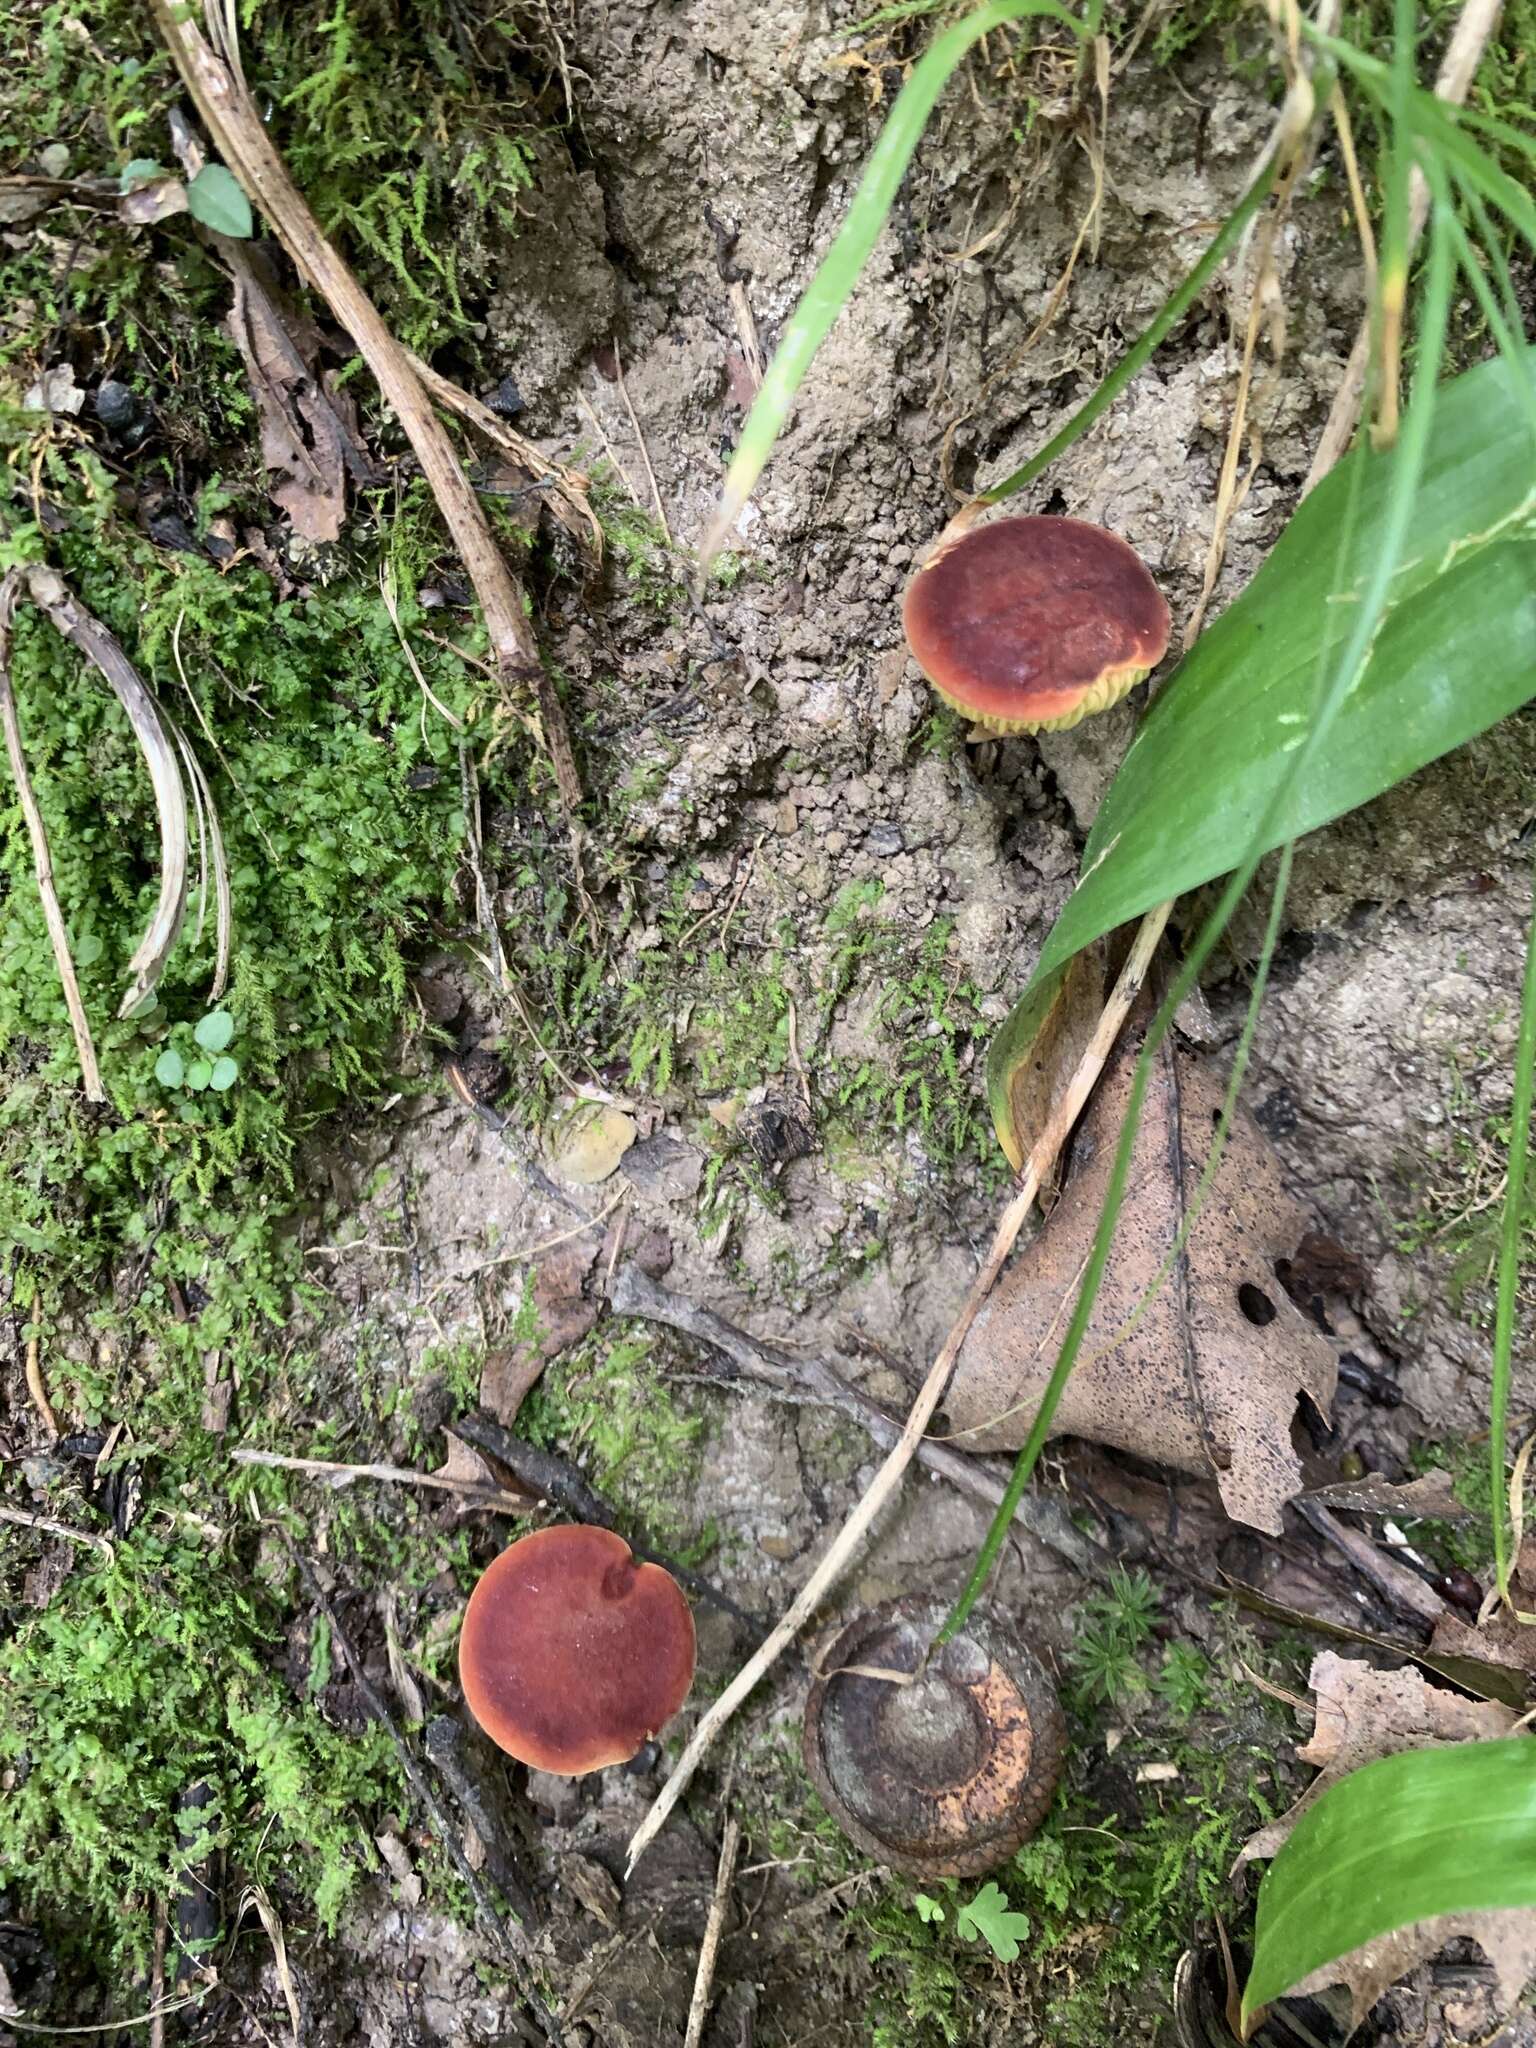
x,y
1123,1875
154,1241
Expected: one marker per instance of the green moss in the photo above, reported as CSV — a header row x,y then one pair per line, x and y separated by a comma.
x,y
413,128
1119,1880
152,1675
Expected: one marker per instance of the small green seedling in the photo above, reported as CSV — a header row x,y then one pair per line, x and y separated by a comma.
x,y
989,1918
929,1911
216,1070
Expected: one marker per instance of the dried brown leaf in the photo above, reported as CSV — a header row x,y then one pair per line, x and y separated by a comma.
x,y
1207,1376
303,441
565,1316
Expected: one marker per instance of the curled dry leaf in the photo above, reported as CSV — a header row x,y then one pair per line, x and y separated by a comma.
x,y
303,439
1207,1375
564,1318
1362,1715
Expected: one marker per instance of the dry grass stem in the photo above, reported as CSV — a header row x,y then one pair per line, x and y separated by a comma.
x,y
1469,39
709,1948
212,74
42,860
849,1539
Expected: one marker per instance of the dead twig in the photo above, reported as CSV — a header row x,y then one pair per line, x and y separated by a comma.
x,y
25,1519
808,1379
508,1932
709,1948
480,1496
37,1391
212,74
566,495
42,860
1469,39
849,1539
645,453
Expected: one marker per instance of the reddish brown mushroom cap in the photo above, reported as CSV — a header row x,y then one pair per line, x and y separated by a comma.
x,y
572,1655
1030,624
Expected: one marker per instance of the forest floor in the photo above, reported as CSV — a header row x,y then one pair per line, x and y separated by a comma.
x,y
800,904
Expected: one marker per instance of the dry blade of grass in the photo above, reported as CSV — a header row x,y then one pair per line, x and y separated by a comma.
x,y
212,73
42,859
49,593
1469,39
850,1537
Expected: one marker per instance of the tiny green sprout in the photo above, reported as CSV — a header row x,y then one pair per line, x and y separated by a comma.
x,y
989,1918
928,1910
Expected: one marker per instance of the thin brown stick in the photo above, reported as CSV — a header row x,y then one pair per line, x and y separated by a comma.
x,y
709,1948
25,1519
482,1495
37,1390
849,1539
42,860
157,1977
1469,39
645,453
566,496
213,77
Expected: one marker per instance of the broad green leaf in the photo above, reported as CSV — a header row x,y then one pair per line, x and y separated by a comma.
x,y
214,197
1456,652
225,1074
170,1068
199,1074
1431,1831
142,171
215,1030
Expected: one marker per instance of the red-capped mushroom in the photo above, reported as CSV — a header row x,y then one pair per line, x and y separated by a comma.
x,y
1028,625
572,1655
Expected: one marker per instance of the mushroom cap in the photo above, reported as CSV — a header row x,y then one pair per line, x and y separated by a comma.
x,y
1028,625
572,1655
945,1777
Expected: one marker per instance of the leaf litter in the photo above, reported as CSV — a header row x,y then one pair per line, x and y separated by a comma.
x,y
1195,1355
1362,1715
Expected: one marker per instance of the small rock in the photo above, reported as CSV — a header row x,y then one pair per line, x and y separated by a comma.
x,y
664,1168
506,400
55,391
121,411
53,161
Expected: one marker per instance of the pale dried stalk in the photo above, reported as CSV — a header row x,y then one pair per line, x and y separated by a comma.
x,y
42,860
48,592
1470,38
849,1539
487,1495
228,112
709,1948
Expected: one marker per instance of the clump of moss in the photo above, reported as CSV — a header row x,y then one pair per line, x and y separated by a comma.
x,y
151,1678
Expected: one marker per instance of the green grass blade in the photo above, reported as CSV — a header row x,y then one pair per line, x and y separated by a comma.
x,y
839,269
1403,497
1456,652
1510,1228
1440,132
1429,1832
